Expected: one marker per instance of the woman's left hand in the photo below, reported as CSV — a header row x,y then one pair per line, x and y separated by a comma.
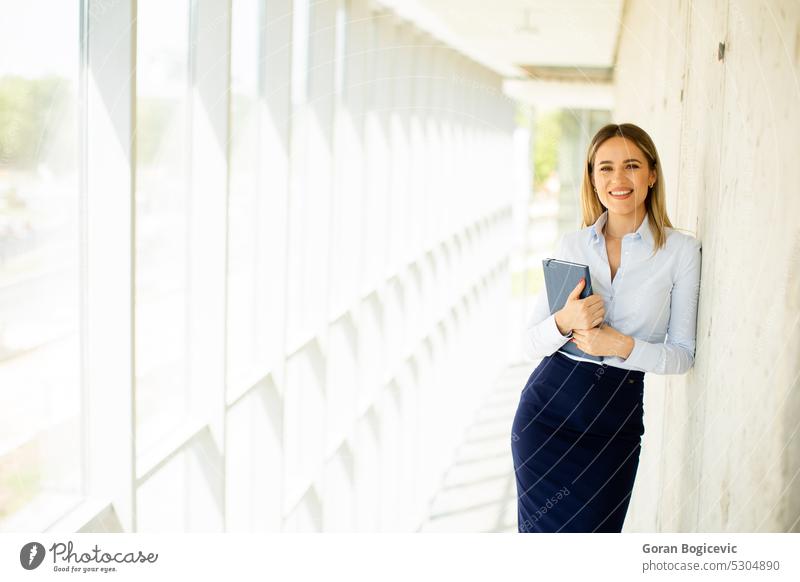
x,y
602,340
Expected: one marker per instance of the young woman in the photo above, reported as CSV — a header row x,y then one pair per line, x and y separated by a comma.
x,y
577,432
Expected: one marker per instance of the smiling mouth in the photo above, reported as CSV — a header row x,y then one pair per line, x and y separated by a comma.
x,y
621,193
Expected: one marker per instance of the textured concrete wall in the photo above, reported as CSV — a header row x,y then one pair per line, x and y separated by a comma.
x,y
722,443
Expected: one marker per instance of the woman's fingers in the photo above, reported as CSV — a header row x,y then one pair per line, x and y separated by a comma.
x,y
593,301
582,334
590,316
593,311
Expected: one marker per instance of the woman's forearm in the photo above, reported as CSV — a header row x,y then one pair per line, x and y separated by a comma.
x,y
627,347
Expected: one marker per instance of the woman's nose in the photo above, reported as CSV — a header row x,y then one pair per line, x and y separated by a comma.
x,y
617,174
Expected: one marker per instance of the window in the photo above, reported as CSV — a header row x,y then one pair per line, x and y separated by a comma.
x,y
40,258
162,217
244,297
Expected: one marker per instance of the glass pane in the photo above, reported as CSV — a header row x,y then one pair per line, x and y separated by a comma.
x,y
39,254
243,208
162,207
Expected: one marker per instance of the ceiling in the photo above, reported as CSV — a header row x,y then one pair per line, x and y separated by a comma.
x,y
554,42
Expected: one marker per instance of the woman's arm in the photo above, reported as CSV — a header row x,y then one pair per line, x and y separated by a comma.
x,y
541,336
676,354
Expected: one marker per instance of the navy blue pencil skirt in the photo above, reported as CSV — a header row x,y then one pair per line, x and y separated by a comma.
x,y
575,441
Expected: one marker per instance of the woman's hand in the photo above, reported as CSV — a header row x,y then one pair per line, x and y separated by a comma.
x,y
580,313
603,340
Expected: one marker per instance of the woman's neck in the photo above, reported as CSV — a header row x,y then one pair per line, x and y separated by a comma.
x,y
617,226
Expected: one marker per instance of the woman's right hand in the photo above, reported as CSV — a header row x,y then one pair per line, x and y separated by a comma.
x,y
580,313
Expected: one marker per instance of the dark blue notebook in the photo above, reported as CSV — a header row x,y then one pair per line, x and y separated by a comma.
x,y
560,278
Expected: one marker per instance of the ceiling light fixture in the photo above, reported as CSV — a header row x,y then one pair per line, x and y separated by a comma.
x,y
528,28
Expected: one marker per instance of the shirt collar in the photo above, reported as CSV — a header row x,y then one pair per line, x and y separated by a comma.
x,y
643,233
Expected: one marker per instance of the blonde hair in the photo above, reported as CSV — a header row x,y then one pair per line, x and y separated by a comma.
x,y
655,203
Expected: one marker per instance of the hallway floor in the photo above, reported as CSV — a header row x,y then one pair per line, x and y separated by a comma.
x,y
478,492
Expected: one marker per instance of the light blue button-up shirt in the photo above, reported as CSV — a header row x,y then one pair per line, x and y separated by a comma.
x,y
653,298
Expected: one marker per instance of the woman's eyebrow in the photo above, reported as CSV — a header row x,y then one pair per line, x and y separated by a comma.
x,y
624,161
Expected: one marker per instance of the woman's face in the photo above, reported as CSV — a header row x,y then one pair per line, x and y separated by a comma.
x,y
620,167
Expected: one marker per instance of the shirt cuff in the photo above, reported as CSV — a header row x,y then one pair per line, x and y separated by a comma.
x,y
556,332
543,339
644,355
